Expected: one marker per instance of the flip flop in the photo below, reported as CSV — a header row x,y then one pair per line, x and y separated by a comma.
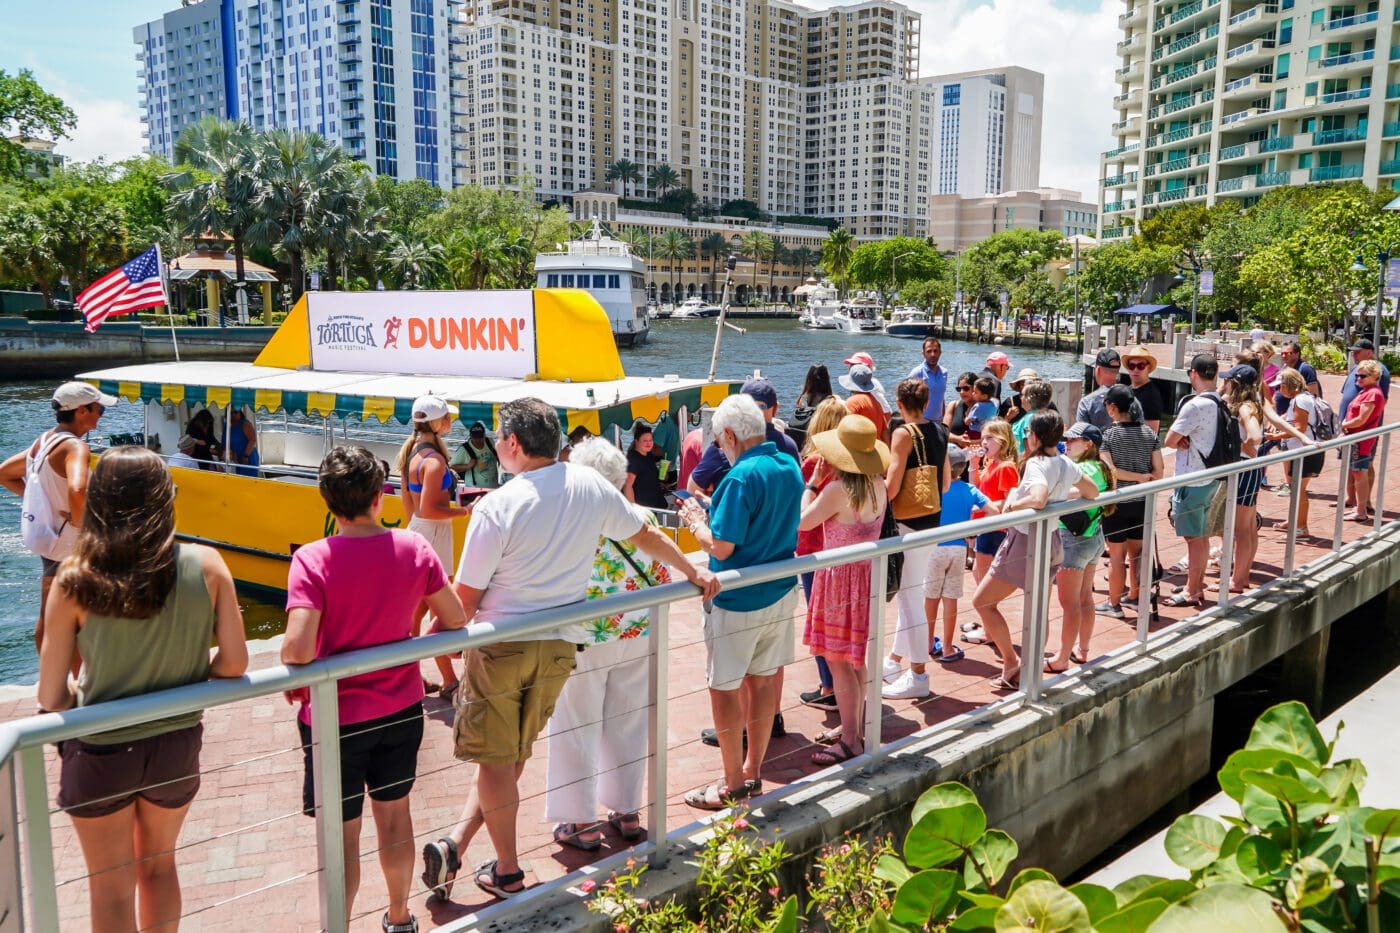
x,y
718,797
1076,657
571,834
834,755
1054,670
495,883
828,737
1002,683
628,825
956,656
977,638
1181,599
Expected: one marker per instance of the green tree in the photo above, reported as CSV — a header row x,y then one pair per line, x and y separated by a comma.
x,y
674,246
758,246
804,257
27,111
742,208
663,178
89,226
624,171
887,264
216,191
837,250
27,255
413,264
713,247
405,206
471,255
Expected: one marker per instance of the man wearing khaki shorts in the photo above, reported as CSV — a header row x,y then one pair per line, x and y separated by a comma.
x,y
529,547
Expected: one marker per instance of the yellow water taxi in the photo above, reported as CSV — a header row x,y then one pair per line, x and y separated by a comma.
x,y
345,367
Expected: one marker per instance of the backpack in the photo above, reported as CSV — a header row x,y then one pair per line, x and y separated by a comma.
x,y
1325,424
41,529
1227,435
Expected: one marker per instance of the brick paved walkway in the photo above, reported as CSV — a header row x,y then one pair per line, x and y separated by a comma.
x,y
246,852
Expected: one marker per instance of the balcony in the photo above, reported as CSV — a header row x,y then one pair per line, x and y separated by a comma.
x,y
1334,172
1121,181
1115,233
1230,184
1173,194
1253,50
1276,144
1128,72
1390,167
1274,179
1248,86
1391,128
1341,97
1114,207
1252,19
1136,15
1125,44
1232,119
1392,91
1352,61
1163,139
1337,137
1175,75
1346,24
1131,99
1233,152
1122,150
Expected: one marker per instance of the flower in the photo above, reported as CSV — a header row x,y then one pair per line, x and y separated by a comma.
x,y
741,823
588,886
773,891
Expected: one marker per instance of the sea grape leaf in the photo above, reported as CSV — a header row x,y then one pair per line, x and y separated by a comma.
x,y
1258,857
1284,786
1027,875
925,896
979,918
1261,759
1382,824
943,834
1221,908
1043,907
787,918
1344,781
1097,899
1289,727
892,869
941,796
879,923
1262,809
1309,882
1193,841
1133,919
1170,890
994,852
982,899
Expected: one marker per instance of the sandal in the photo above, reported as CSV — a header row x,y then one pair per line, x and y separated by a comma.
x,y
834,755
1000,682
440,866
1077,657
628,825
957,655
1179,567
495,885
976,637
449,691
828,737
572,834
411,926
718,797
1182,599
1054,670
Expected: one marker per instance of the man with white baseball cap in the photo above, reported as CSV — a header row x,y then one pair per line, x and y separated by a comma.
x,y
51,479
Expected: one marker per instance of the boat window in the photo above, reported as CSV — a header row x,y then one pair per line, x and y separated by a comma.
x,y
567,280
552,280
637,282
600,281
614,281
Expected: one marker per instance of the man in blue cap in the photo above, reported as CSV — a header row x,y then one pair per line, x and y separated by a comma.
x,y
713,466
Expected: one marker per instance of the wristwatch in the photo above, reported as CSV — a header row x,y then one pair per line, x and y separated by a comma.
x,y
813,488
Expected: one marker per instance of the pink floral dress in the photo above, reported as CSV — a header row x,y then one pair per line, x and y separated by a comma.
x,y
838,620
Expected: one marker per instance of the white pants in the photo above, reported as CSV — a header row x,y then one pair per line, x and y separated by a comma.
x,y
911,636
598,734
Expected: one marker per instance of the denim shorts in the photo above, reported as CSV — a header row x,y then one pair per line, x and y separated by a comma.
x,y
1356,463
1080,551
989,542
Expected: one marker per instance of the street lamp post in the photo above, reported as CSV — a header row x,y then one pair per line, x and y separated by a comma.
x,y
1195,270
1078,314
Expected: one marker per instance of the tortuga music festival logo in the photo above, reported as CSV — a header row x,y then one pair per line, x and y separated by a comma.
x,y
350,332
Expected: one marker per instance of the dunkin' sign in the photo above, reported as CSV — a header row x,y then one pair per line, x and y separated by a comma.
x,y
483,333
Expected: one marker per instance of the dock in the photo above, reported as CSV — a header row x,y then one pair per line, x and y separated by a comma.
x,y
34,350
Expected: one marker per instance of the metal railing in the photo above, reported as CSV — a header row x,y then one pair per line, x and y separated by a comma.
x,y
31,867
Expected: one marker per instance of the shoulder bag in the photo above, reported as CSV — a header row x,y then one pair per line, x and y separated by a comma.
x,y
919,493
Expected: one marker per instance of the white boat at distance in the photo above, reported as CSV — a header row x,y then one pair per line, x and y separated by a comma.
x,y
823,301
860,315
695,307
908,321
604,267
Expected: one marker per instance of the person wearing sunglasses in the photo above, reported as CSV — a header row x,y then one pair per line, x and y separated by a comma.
x,y
955,415
1140,364
1363,414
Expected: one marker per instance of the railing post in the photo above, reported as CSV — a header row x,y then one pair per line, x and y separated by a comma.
x,y
43,892
1227,539
1146,561
1340,518
658,727
330,822
1379,491
1035,611
875,655
1295,468
11,876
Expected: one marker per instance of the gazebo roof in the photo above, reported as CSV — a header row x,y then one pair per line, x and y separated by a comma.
x,y
206,262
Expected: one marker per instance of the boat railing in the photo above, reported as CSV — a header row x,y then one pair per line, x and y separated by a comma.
x,y
35,895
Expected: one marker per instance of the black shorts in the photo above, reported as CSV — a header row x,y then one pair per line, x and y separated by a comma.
x,y
1125,524
1312,465
380,755
99,780
50,567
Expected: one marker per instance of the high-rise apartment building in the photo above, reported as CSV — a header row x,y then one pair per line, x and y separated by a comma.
x,y
371,75
1232,98
804,112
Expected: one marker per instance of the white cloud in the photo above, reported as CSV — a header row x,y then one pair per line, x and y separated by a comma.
x,y
108,127
1073,48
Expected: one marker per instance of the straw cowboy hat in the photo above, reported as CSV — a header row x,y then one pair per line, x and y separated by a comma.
x,y
854,447
1141,353
1024,376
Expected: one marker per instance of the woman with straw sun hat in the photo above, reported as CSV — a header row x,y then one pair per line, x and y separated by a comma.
x,y
846,499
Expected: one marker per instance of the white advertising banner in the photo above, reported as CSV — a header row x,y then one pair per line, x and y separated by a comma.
x,y
481,333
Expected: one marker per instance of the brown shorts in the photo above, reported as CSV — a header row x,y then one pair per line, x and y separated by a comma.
x,y
507,695
98,780
1009,566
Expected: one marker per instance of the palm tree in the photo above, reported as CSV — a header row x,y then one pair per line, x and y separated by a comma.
x,y
362,235
757,245
471,255
779,254
663,178
222,198
638,240
517,260
303,178
803,257
836,254
411,263
623,171
674,246
714,246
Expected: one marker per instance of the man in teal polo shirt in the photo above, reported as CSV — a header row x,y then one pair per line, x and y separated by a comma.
x,y
748,632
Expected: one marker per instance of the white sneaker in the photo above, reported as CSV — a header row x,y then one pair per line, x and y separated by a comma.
x,y
909,686
892,670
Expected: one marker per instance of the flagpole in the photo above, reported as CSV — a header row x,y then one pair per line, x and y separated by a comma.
x,y
169,308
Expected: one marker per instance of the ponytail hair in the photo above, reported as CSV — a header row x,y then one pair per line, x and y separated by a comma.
x,y
423,432
1091,452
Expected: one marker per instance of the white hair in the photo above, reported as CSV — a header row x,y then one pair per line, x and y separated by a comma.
x,y
740,414
597,454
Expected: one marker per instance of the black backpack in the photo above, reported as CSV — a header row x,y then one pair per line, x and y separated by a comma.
x,y
1227,435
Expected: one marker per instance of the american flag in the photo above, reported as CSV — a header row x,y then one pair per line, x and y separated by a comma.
x,y
133,286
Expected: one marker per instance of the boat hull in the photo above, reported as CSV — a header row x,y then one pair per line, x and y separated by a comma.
x,y
631,338
908,331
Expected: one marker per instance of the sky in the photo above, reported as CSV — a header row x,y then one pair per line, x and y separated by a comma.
x,y
86,56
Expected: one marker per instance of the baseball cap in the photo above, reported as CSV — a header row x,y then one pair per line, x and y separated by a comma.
x,y
1363,344
477,430
1108,357
996,357
957,459
761,391
1242,373
431,408
1084,429
864,359
74,395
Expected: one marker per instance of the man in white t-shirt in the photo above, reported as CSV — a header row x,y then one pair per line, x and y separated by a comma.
x,y
529,546
1192,435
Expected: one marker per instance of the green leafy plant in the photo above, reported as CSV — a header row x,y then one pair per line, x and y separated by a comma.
x,y
844,888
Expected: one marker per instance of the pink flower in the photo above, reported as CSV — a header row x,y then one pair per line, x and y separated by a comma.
x,y
741,823
845,850
631,863
587,886
620,928
773,891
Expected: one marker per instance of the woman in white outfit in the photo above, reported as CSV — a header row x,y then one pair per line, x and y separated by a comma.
x,y
427,485
601,715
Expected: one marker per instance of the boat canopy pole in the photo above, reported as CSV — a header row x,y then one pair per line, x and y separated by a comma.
x,y
721,323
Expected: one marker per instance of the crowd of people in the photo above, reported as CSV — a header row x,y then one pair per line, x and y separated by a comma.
x,y
126,609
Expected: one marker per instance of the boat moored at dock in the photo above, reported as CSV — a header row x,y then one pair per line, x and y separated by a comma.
x,y
604,267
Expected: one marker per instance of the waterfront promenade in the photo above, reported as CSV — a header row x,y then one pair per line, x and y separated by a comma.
x,y
246,852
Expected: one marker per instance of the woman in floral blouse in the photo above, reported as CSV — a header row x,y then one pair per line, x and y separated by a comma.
x,y
601,715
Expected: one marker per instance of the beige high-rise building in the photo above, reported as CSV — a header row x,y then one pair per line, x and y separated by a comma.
x,y
815,113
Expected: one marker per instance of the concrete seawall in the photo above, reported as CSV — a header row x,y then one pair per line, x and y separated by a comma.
x,y
41,350
1070,775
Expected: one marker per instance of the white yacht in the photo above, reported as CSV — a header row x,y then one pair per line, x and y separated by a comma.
x,y
604,267
823,301
695,306
908,321
856,317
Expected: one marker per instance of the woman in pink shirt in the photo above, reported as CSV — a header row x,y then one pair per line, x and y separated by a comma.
x,y
357,589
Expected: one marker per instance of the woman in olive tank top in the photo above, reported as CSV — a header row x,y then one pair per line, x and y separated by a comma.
x,y
141,611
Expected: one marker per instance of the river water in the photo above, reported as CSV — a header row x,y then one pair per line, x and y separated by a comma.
x,y
780,348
